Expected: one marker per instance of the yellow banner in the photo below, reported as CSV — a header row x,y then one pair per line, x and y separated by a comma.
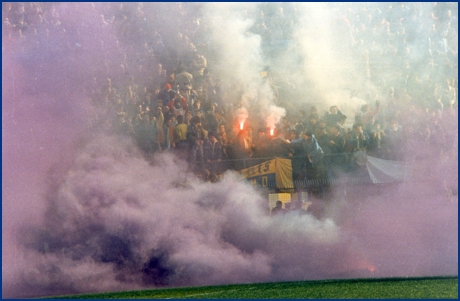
x,y
261,169
278,170
284,173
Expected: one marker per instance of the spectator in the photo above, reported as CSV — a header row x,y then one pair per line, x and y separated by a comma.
x,y
279,146
366,113
139,116
169,132
336,146
167,94
341,123
311,124
145,134
195,138
387,35
184,80
178,102
122,124
261,144
278,210
177,107
314,112
212,151
180,136
321,134
242,149
160,77
168,113
197,107
198,65
376,136
307,156
160,135
359,138
188,117
394,141
210,117
358,142
333,116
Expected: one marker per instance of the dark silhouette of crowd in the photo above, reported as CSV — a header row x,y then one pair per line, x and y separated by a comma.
x,y
153,81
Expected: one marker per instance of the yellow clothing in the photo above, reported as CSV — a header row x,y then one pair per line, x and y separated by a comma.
x,y
181,132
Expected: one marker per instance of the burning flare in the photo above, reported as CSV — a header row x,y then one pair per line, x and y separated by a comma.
x,y
366,265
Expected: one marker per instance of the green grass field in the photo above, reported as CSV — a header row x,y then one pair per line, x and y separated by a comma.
x,y
388,288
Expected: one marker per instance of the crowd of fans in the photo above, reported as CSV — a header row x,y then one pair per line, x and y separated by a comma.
x,y
156,83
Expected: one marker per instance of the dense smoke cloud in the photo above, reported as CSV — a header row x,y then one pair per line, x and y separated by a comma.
x,y
241,56
330,68
84,210
154,225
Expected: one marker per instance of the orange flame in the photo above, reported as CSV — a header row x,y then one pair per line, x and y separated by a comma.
x,y
241,125
366,265
272,131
